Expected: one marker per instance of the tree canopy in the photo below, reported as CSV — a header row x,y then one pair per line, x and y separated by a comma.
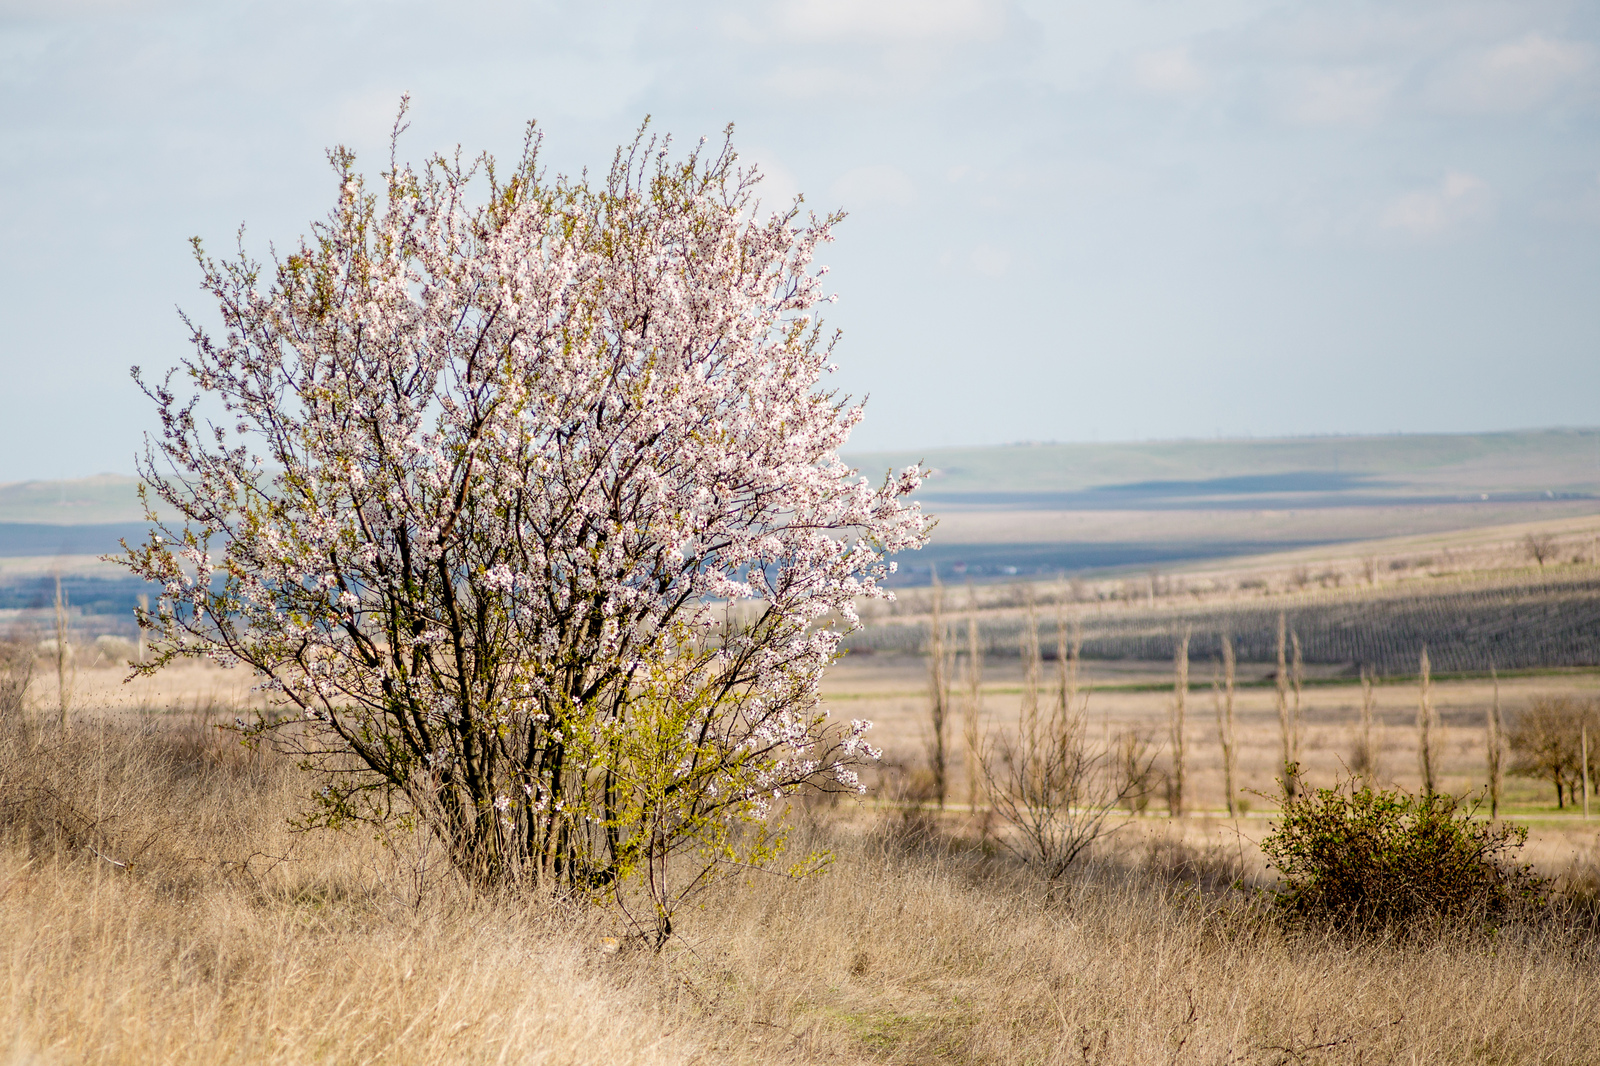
x,y
530,507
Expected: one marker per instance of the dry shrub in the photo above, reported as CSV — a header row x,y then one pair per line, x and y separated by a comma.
x,y
17,661
1372,862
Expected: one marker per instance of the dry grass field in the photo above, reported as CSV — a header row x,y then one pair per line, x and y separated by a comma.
x,y
158,908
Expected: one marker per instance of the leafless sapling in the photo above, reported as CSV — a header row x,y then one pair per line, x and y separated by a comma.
x,y
1286,725
1366,759
938,694
972,708
1222,695
1495,746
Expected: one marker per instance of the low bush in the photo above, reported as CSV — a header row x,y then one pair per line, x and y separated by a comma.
x,y
1373,861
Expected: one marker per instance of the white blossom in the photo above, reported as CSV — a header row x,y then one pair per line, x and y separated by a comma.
x,y
545,442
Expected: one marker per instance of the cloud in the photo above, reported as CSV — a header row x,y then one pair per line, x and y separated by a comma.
x,y
64,10
987,259
880,50
1573,198
1352,95
1589,203
880,185
1168,72
990,261
1513,76
1458,200
891,20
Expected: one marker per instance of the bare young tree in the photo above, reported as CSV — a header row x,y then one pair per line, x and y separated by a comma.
x,y
1546,742
1288,718
1058,797
1540,547
938,693
1583,766
972,708
1427,726
1069,654
1033,729
1044,780
1495,745
1136,759
1297,680
1180,695
1222,696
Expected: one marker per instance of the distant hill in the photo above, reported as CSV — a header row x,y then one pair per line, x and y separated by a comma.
x,y
1551,463
1532,463
1036,508
1041,508
98,500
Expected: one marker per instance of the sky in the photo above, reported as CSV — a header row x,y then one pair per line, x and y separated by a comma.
x,y
1069,221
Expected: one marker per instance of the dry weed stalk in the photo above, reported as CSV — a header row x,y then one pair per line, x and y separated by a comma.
x,y
1427,727
1366,742
63,657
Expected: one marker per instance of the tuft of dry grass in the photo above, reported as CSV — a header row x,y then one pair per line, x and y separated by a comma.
x,y
224,937
159,910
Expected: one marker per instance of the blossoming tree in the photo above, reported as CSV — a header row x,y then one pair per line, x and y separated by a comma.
x,y
530,509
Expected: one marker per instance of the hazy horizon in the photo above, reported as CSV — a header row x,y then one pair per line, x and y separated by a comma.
x,y
1128,446
850,451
